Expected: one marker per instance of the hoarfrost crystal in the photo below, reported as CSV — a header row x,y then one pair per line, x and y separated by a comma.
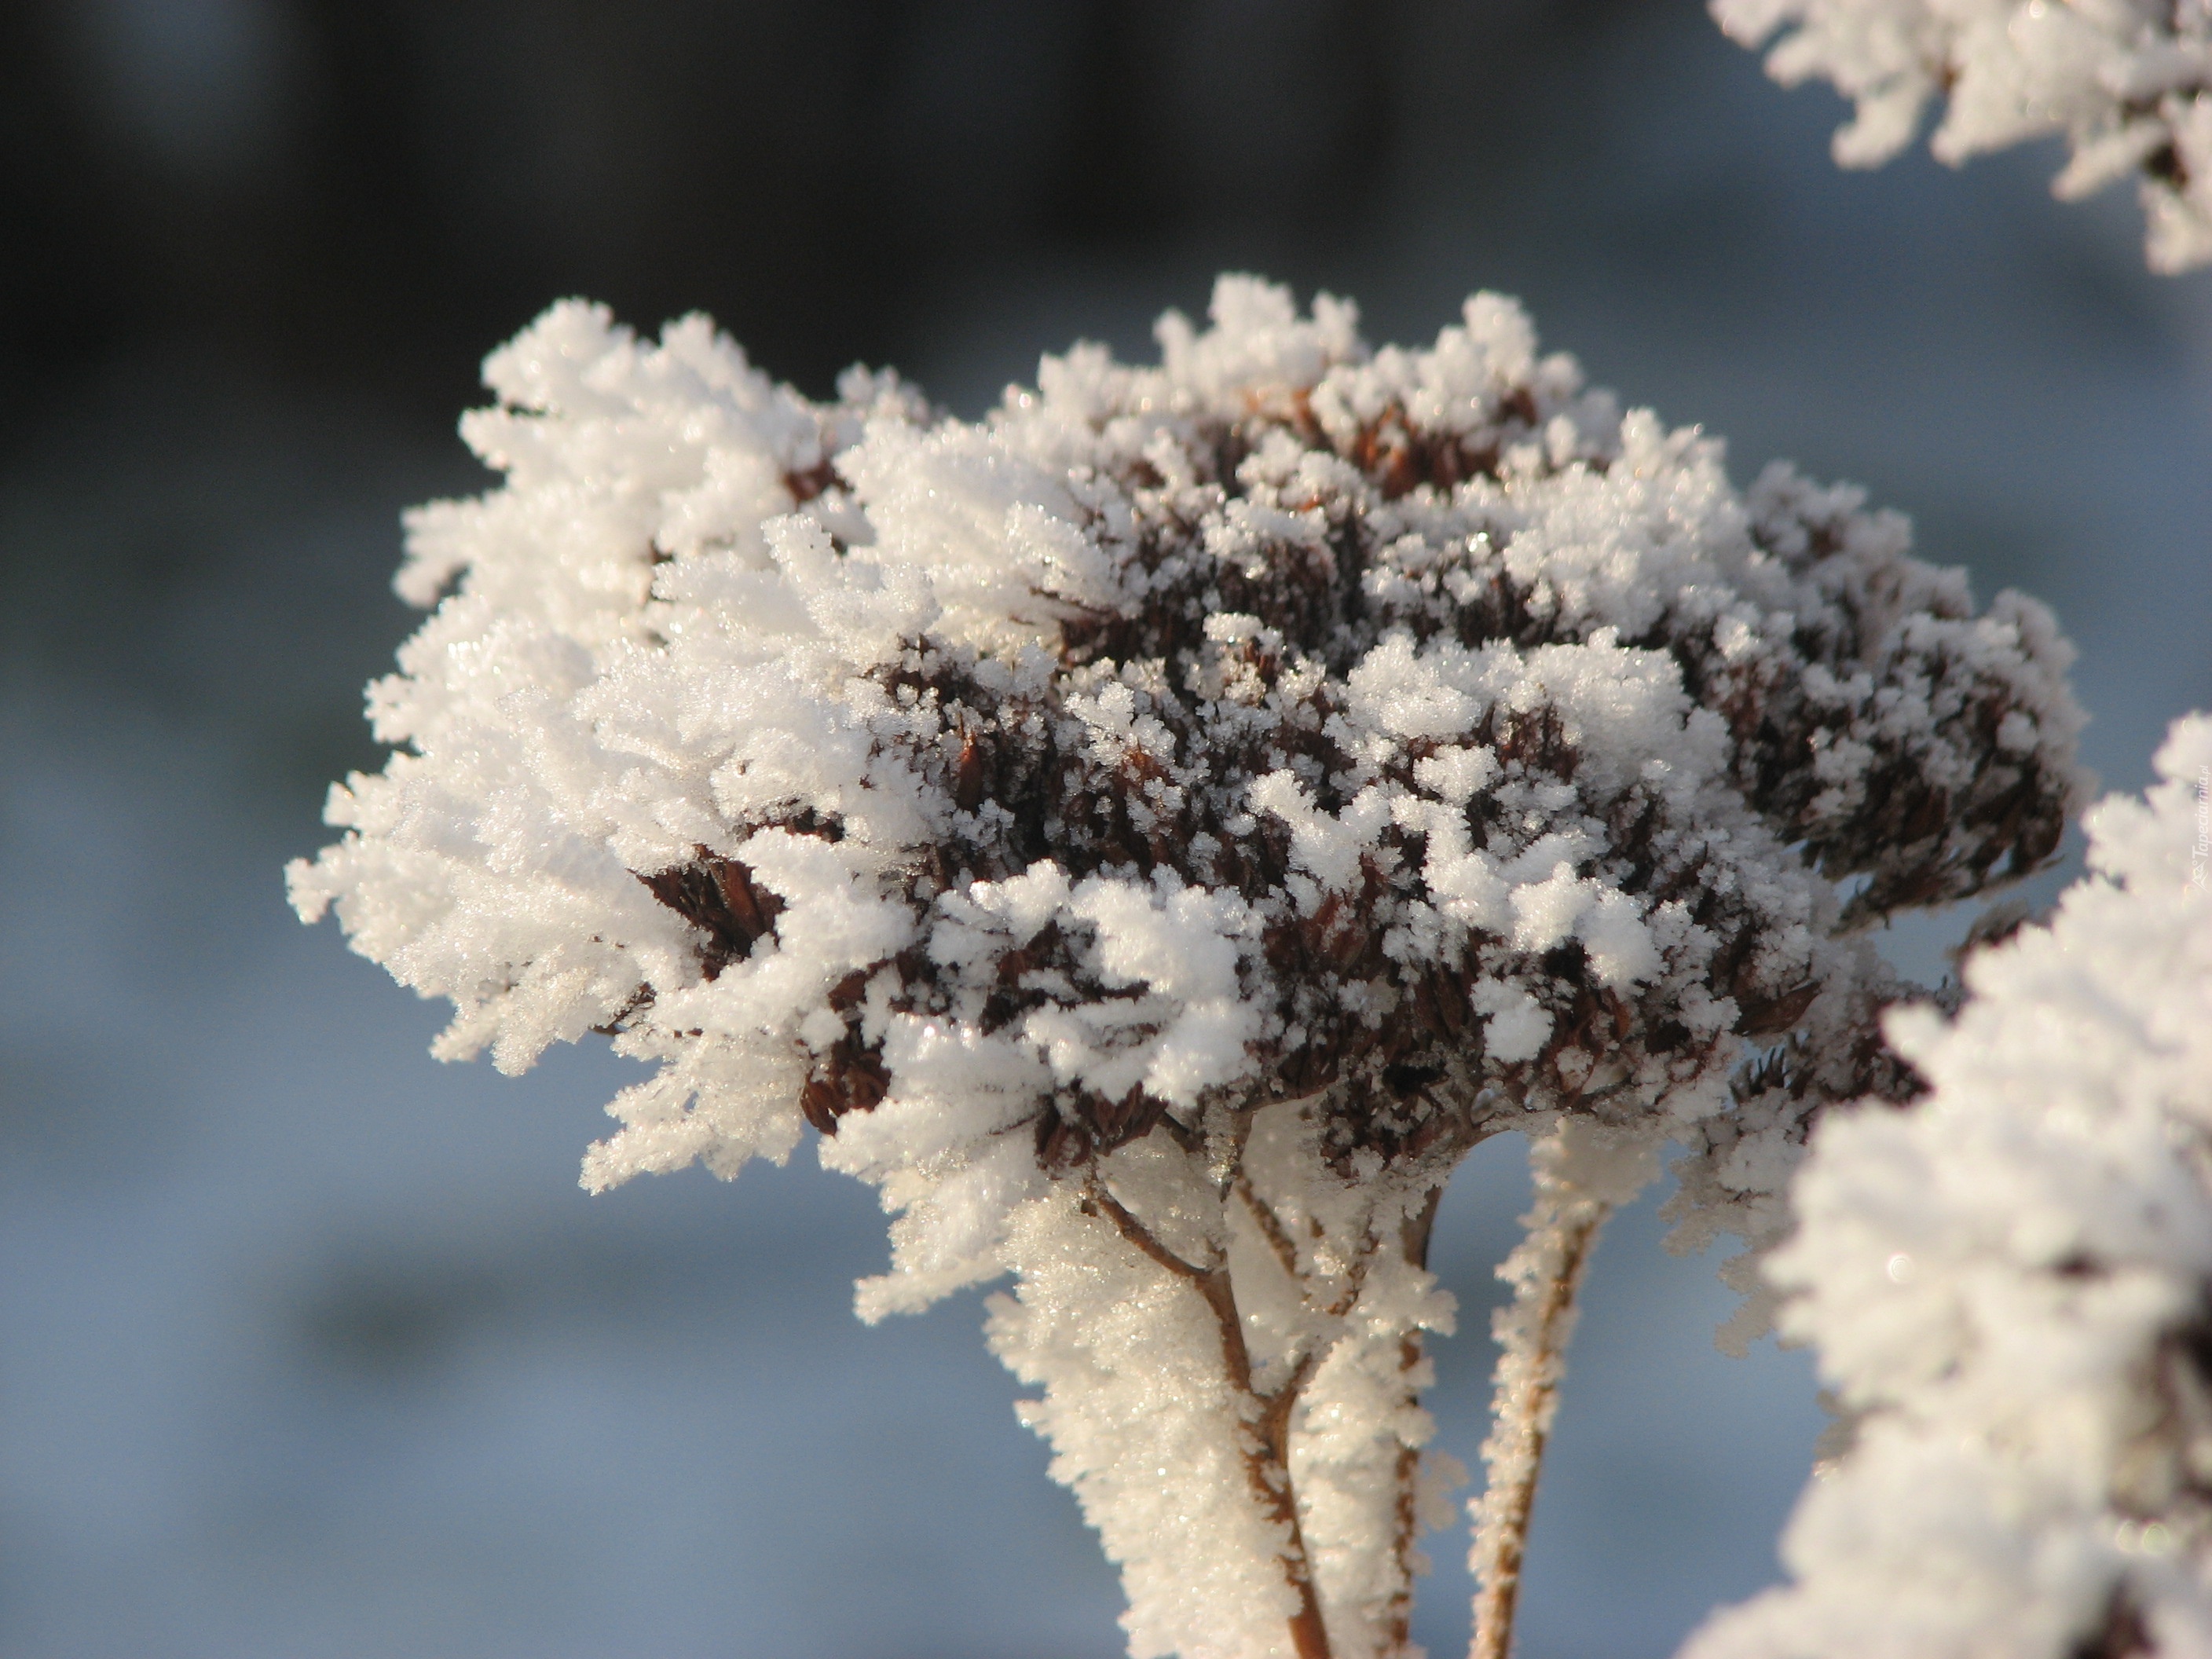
x,y
2128,83
1153,833
2011,1287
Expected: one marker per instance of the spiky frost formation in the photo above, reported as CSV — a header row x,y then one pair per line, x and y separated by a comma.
x,y
2010,1287
2128,82
1153,832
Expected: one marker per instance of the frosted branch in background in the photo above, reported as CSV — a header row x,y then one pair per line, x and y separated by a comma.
x,y
2011,1288
2128,83
1153,832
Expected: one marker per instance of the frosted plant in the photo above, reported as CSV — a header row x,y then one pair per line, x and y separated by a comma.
x,y
2011,1287
1153,833
2128,83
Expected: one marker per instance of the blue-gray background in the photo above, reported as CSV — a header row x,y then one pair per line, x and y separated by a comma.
x,y
309,1346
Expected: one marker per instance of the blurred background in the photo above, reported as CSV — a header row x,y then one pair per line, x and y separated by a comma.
x,y
309,1346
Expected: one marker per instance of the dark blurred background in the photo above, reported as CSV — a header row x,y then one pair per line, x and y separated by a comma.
x,y
309,1346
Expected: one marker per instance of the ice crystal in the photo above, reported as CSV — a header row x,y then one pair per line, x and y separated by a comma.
x,y
1153,832
2010,1287
2128,83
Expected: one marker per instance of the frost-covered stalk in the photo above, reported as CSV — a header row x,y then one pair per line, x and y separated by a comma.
x,y
2128,82
1153,833
2010,1290
1325,1432
1580,1175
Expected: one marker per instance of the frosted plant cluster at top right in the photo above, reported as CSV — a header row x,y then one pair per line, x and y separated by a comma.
x,y
2128,83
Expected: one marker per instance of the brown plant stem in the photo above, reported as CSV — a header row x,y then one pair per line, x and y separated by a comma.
x,y
1547,1272
1413,1240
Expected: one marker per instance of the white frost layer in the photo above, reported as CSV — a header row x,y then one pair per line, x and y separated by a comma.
x,y
2128,83
2011,1288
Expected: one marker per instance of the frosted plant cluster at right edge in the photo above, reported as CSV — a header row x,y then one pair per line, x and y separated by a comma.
x,y
2011,1287
2128,82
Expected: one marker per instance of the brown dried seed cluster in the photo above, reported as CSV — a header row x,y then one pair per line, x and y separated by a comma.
x,y
1402,1061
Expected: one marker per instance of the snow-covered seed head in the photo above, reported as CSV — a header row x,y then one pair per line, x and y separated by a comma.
x,y
1153,831
1408,730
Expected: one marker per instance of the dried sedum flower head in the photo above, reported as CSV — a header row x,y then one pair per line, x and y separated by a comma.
x,y
2128,82
1153,832
2010,1287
